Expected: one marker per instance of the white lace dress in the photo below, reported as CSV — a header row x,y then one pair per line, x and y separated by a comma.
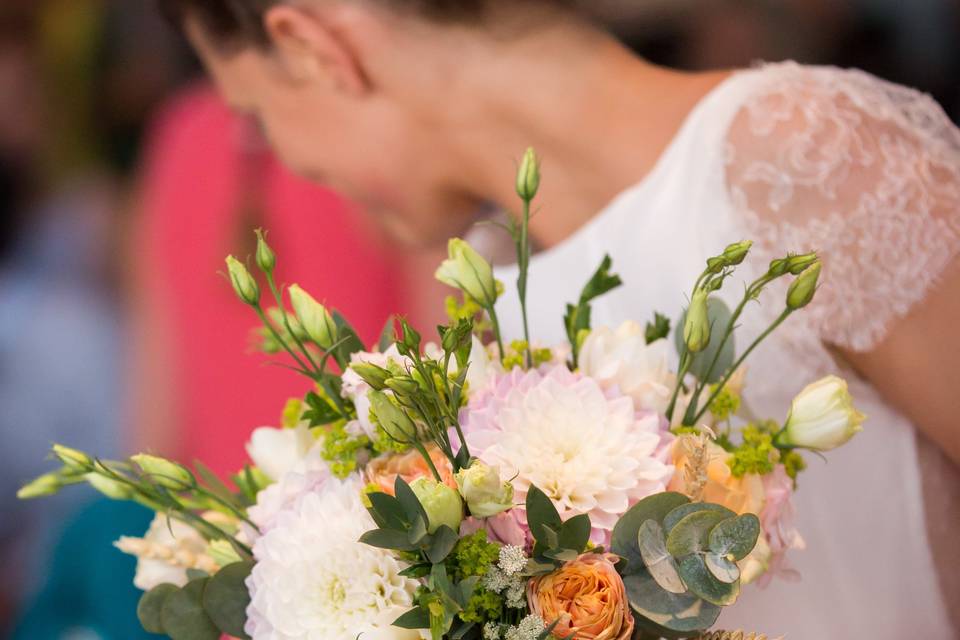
x,y
800,158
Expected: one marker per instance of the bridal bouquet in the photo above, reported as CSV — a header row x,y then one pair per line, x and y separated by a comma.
x,y
480,488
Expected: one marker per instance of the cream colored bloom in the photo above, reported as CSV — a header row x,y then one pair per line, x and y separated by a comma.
x,y
466,270
622,358
822,417
277,451
313,317
168,549
484,492
442,503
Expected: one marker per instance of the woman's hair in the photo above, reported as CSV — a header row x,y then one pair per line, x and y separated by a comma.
x,y
242,20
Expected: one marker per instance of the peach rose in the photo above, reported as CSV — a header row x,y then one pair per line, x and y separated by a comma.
x,y
383,471
588,598
705,472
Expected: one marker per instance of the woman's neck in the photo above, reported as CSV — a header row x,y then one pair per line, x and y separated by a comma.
x,y
598,116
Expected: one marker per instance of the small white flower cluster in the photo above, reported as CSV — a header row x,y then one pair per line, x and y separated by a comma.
x,y
530,628
505,576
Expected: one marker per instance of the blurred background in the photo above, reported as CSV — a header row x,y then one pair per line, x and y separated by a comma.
x,y
123,184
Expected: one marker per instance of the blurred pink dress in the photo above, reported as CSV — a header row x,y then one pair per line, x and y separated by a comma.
x,y
202,167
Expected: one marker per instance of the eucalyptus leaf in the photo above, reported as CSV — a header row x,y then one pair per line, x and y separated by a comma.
x,y
417,618
349,342
563,555
668,615
721,568
388,336
661,565
183,616
409,501
389,513
541,513
719,315
625,532
226,598
150,605
681,512
416,570
388,539
442,542
463,630
693,570
418,530
736,537
692,533
575,533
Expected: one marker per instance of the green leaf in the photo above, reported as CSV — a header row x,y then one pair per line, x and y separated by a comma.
x,y
418,531
409,501
183,616
575,533
388,336
417,618
578,316
719,315
151,603
681,512
462,631
216,485
626,531
736,536
668,615
692,533
661,565
350,342
226,598
562,555
388,539
693,570
416,570
721,568
441,544
389,513
658,329
320,412
541,513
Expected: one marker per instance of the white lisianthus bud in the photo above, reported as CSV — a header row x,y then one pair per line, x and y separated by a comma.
x,y
113,489
442,503
735,253
486,495
266,258
243,283
276,452
466,270
696,329
392,418
45,485
528,176
313,317
164,472
73,459
822,417
801,290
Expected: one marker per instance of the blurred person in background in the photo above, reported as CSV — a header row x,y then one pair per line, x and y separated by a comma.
x,y
795,157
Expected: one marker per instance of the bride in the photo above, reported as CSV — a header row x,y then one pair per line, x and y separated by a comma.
x,y
415,108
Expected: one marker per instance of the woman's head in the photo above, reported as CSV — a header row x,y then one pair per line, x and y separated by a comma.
x,y
373,96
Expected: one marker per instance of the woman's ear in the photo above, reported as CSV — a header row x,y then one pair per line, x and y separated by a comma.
x,y
311,50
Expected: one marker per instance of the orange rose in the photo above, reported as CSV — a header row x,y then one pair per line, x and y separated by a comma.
x,y
588,598
383,471
703,474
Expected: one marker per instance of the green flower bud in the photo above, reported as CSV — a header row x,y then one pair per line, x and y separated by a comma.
x,y
696,329
266,258
73,459
223,553
716,265
45,485
313,317
164,472
243,283
802,289
822,417
403,384
798,264
442,503
528,176
466,270
109,487
778,267
373,375
392,418
735,253
483,490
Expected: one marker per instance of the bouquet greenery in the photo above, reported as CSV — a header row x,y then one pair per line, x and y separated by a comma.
x,y
480,488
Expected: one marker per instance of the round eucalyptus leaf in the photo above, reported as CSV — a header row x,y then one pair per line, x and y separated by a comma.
x,y
150,605
661,565
719,315
692,533
736,536
183,616
693,570
226,598
625,532
667,615
681,512
721,568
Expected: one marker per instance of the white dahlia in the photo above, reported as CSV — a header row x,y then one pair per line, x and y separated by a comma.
x,y
587,448
313,580
622,358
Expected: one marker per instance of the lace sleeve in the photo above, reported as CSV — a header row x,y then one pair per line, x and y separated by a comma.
x,y
861,170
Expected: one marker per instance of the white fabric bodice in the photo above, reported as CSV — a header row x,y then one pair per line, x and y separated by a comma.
x,y
798,158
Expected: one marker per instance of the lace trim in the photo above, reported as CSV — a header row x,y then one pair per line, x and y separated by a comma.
x,y
864,171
